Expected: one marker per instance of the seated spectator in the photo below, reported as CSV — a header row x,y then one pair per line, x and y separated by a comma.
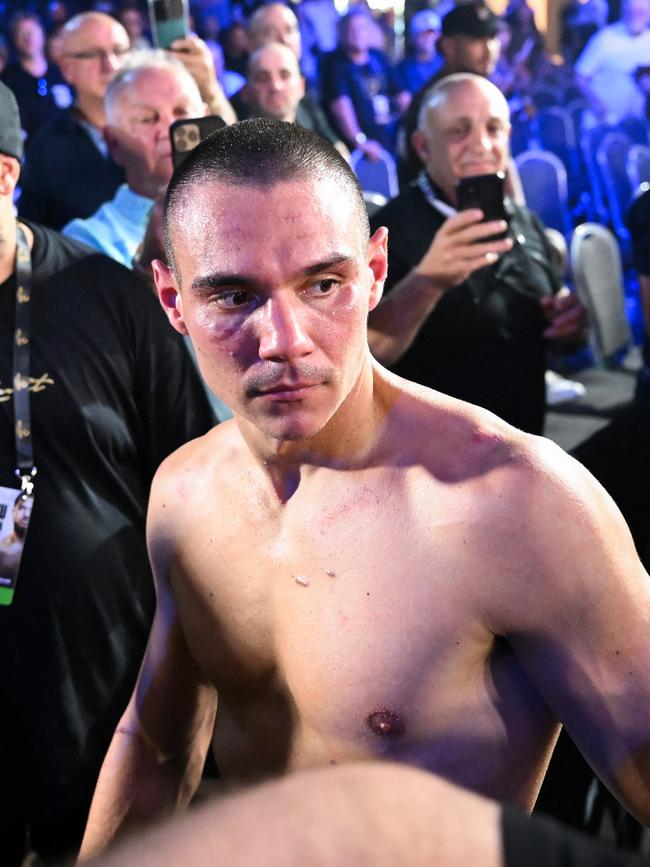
x,y
360,89
607,66
422,60
276,88
150,92
276,23
464,313
68,171
38,86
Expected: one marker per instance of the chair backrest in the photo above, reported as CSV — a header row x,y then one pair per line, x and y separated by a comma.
x,y
590,139
376,176
544,180
611,158
598,275
638,165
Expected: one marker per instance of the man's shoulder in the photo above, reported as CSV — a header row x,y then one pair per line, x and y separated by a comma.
x,y
465,442
62,127
200,471
52,252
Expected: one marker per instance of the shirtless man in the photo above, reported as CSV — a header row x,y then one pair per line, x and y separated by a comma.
x,y
358,566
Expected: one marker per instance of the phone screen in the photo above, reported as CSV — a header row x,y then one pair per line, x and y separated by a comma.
x,y
187,133
484,192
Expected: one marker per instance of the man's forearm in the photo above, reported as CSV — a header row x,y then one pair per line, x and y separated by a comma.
x,y
394,325
136,786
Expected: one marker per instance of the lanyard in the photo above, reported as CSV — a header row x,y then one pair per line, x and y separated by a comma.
x,y
25,469
437,204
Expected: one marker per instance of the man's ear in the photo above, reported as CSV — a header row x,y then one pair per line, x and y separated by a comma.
x,y
420,146
304,86
168,295
378,264
245,94
9,174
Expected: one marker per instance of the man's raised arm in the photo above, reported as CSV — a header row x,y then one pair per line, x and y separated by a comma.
x,y
577,615
155,760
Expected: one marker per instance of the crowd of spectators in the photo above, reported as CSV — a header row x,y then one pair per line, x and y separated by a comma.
x,y
362,77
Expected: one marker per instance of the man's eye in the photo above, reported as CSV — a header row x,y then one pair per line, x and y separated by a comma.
x,y
323,287
232,299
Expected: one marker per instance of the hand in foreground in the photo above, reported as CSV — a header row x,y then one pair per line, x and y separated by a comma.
x,y
567,318
459,248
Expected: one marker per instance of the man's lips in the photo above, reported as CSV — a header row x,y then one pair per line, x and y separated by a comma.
x,y
287,390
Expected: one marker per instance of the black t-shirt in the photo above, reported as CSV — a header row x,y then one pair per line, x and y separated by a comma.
x,y
483,341
65,175
113,391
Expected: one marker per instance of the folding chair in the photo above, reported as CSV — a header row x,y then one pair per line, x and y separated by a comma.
x,y
598,275
544,180
611,158
555,131
376,176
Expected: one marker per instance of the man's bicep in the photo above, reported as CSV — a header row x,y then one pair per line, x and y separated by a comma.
x,y
584,640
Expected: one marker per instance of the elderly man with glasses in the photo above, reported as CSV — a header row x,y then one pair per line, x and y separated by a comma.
x,y
68,171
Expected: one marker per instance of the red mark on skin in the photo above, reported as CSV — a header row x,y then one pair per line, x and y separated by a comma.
x,y
386,724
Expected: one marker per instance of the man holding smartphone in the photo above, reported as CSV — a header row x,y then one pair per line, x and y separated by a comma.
x,y
469,313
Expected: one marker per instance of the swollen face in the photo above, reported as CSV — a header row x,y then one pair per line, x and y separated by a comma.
x,y
275,289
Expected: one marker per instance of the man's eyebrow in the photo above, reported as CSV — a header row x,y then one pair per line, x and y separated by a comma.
x,y
221,279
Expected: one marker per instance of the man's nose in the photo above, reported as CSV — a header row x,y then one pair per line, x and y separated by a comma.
x,y
111,61
282,331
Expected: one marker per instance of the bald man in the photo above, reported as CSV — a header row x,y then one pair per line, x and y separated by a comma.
x,y
68,170
275,88
464,313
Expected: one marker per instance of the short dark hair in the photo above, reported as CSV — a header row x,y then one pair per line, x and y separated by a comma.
x,y
259,152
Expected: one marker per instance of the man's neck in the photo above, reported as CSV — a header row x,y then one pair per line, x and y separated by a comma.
x,y
348,441
7,247
91,110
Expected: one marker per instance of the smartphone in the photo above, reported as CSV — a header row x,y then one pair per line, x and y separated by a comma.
x,y
484,192
169,20
185,134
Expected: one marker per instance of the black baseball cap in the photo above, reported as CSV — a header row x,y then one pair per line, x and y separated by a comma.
x,y
471,19
11,134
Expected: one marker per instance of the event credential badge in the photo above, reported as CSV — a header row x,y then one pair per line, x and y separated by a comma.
x,y
15,512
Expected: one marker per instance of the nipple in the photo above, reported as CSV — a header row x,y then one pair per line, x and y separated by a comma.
x,y
386,724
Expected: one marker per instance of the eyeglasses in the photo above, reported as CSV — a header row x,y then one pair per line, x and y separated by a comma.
x,y
98,54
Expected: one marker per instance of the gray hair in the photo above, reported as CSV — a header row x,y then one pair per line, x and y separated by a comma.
x,y
136,63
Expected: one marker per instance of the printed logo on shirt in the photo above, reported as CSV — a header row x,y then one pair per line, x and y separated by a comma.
x,y
35,384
